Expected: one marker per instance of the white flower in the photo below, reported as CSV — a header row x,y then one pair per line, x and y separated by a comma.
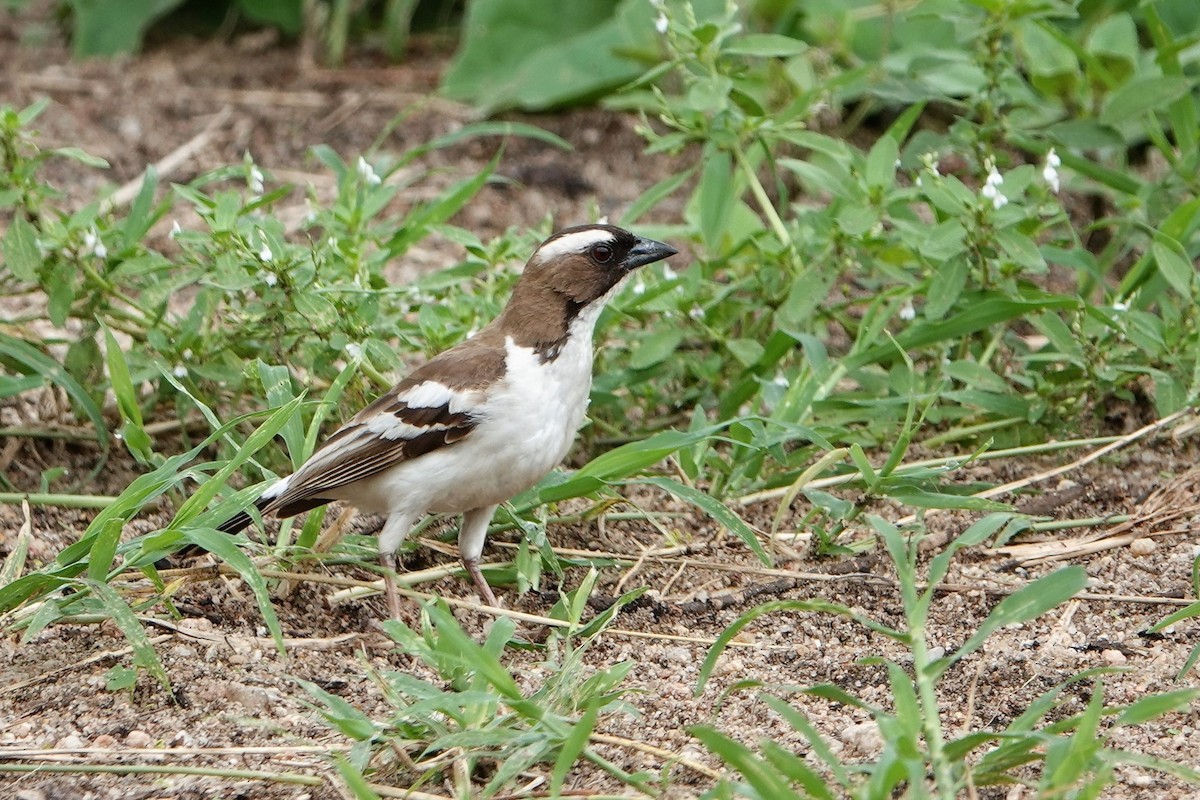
x,y
930,160
991,186
639,287
269,278
661,22
354,350
367,172
179,371
1050,171
175,229
907,312
92,245
696,313
265,252
255,181
781,380
668,273
1120,305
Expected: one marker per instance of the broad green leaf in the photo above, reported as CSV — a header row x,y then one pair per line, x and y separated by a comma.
x,y
21,252
765,45
1143,95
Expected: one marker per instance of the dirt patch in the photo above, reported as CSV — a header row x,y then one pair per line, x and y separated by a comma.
x,y
237,704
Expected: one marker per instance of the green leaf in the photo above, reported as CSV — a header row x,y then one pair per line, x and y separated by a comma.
x,y
29,356
715,509
133,431
1142,96
716,198
765,45
224,547
764,779
1173,265
131,627
21,252
655,347
1026,603
112,27
573,745
1156,705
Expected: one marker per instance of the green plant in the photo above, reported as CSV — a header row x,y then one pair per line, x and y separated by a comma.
x,y
476,725
919,756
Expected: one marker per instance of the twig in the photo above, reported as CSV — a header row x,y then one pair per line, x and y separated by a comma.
x,y
658,752
156,769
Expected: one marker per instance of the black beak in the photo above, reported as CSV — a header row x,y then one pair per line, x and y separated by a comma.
x,y
647,251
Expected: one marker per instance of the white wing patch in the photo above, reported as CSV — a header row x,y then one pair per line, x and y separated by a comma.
x,y
576,242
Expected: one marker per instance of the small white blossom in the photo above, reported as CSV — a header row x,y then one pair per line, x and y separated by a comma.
x,y
918,182
1120,306
269,278
188,355
991,187
661,22
781,380
92,245
354,349
179,371
639,287
668,273
907,312
1050,171
367,172
265,252
696,313
930,161
255,180
175,229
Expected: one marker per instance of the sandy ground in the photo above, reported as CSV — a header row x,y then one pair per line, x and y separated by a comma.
x,y
236,703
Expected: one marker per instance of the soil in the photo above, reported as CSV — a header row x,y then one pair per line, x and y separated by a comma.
x,y
236,704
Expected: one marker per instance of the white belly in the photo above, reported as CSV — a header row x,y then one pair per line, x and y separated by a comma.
x,y
526,428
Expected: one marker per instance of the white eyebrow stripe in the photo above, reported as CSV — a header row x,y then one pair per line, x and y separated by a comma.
x,y
575,242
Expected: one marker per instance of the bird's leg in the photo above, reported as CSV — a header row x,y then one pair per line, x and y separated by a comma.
x,y
471,537
395,528
388,561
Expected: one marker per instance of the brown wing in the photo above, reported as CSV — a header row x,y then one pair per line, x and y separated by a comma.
x,y
436,406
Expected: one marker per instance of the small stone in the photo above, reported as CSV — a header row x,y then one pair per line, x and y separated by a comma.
x,y
1143,546
252,698
105,741
863,737
72,741
31,794
678,655
138,739
1114,658
22,730
203,624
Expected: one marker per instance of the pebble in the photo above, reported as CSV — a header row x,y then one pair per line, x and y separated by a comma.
x,y
863,737
1114,658
252,698
1143,546
138,739
104,741
72,741
31,794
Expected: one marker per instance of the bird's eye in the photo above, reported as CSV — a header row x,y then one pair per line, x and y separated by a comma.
x,y
602,253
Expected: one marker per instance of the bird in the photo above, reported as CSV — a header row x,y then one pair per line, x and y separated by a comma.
x,y
482,421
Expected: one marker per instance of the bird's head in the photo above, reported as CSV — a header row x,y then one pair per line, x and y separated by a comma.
x,y
586,262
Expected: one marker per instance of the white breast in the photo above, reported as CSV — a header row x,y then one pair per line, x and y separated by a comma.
x,y
527,425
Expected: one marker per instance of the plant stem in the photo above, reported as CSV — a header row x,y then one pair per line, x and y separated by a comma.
x,y
60,500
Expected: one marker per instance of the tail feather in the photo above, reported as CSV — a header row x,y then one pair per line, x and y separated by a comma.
x,y
242,519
